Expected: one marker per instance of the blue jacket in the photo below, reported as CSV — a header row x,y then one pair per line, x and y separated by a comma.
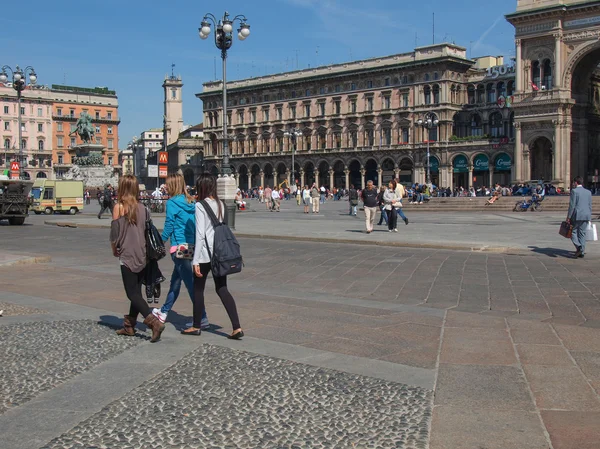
x,y
180,223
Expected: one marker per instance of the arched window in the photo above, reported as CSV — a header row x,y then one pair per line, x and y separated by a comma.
x,y
427,77
436,94
427,94
41,145
491,93
476,128
547,81
535,73
458,126
23,144
501,89
7,144
496,129
471,94
436,76
510,88
481,93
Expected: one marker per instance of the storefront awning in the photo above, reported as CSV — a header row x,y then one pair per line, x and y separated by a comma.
x,y
460,164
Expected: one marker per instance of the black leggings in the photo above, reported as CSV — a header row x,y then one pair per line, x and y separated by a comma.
x,y
133,288
222,291
392,219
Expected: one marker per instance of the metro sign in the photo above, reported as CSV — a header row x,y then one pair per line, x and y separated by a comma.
x,y
163,172
163,157
14,166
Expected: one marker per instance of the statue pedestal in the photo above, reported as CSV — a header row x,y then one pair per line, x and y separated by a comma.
x,y
86,149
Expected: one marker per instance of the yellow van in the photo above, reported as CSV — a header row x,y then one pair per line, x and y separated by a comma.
x,y
58,195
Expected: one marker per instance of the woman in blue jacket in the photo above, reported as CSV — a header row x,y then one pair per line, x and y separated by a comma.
x,y
180,229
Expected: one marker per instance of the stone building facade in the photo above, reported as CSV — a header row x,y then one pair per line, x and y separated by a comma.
x,y
68,104
557,103
357,122
36,139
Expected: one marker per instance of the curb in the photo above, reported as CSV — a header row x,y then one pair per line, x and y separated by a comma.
x,y
27,261
456,247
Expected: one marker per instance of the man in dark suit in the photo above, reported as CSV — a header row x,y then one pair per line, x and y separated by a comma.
x,y
580,213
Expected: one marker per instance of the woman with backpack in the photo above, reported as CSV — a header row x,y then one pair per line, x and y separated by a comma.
x,y
206,187
180,229
128,242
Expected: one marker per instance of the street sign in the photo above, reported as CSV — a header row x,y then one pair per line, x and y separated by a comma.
x,y
163,157
152,171
163,171
14,166
14,175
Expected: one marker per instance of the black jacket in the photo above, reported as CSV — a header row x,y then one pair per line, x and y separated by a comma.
x,y
369,197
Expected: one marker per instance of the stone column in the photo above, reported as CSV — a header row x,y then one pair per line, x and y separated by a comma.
x,y
250,181
363,172
519,68
237,180
288,175
302,178
262,179
316,172
331,172
275,179
347,178
491,175
470,181
379,177
397,173
518,156
557,76
556,156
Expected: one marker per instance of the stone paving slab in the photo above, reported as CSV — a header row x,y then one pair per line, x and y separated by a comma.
x,y
38,356
217,398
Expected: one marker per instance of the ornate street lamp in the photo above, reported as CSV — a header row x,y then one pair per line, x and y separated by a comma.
x,y
293,133
428,122
19,83
223,41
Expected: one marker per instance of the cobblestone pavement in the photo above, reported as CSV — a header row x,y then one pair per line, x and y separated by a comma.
x,y
39,356
221,398
10,309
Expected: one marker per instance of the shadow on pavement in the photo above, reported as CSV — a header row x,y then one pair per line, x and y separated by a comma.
x,y
116,323
552,252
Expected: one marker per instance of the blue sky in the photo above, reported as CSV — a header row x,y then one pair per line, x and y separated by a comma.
x,y
129,45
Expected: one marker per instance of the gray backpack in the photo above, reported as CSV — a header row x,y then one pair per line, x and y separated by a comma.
x,y
226,257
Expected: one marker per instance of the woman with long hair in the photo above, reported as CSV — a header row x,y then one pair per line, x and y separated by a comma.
x,y
128,242
206,187
180,229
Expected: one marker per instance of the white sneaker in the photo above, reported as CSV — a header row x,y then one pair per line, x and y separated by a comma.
x,y
395,230
204,324
162,317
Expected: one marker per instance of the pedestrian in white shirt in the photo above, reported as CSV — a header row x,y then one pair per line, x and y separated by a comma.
x,y
276,197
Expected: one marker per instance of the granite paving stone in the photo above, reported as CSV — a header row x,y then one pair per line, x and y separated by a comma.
x,y
217,398
10,309
573,430
37,356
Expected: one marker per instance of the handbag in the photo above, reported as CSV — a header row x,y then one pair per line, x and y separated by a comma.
x,y
155,248
566,229
184,251
591,235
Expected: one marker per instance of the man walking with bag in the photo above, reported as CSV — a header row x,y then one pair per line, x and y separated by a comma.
x,y
580,213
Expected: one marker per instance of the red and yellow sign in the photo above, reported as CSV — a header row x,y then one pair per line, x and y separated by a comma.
x,y
162,171
163,157
14,166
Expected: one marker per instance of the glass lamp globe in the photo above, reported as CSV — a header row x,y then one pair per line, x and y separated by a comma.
x,y
227,27
205,29
203,36
245,30
17,77
33,78
3,78
241,36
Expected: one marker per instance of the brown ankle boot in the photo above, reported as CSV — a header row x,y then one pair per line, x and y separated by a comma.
x,y
157,327
128,329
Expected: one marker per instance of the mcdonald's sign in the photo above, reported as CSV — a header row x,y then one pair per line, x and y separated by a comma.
x,y
163,157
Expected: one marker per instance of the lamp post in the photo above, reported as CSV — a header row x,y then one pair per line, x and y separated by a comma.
x,y
428,122
19,83
223,41
133,144
293,133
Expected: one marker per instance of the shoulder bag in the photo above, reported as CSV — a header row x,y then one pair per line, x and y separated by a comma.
x,y
155,248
